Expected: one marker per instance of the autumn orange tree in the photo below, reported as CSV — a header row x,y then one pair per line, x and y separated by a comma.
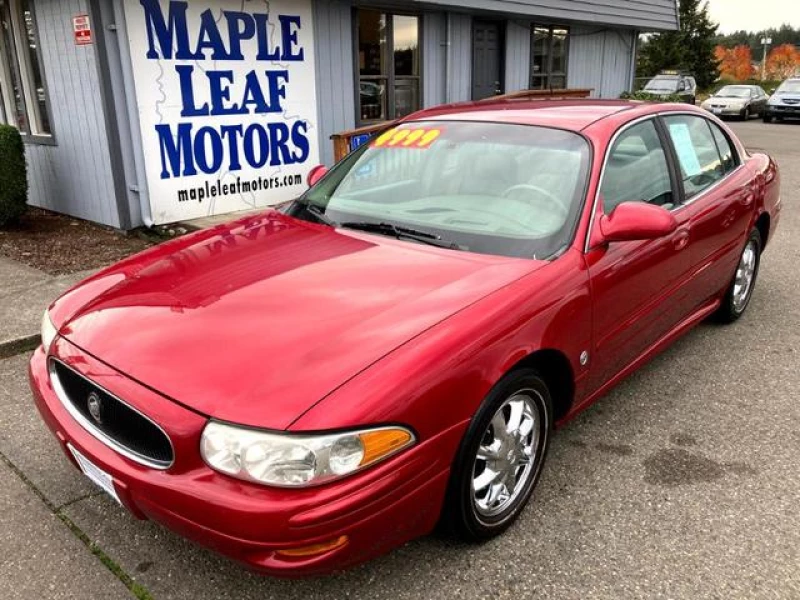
x,y
783,61
735,64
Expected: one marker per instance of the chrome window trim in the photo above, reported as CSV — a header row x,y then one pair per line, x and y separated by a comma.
x,y
62,396
633,123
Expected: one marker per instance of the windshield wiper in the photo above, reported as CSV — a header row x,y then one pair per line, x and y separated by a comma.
x,y
319,215
399,232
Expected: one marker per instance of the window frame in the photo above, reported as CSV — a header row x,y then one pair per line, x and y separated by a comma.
x,y
686,201
24,73
670,158
548,74
390,75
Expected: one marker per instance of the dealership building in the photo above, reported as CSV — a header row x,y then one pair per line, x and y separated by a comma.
x,y
142,112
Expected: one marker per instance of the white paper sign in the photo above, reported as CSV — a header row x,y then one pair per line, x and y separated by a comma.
x,y
227,102
687,154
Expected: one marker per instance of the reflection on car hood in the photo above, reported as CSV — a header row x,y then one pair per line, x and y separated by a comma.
x,y
256,321
787,98
720,101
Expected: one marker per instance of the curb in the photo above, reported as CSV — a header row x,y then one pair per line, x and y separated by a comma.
x,y
17,346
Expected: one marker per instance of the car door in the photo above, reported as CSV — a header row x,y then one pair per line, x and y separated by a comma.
x,y
637,291
719,192
761,98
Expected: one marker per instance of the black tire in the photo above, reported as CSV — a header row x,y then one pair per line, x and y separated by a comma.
x,y
733,307
746,114
461,515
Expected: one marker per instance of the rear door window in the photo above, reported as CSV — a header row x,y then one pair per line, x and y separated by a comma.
x,y
726,150
698,157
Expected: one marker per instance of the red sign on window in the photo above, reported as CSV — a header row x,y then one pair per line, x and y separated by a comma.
x,y
82,29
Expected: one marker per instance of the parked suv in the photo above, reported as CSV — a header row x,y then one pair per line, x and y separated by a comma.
x,y
785,102
668,83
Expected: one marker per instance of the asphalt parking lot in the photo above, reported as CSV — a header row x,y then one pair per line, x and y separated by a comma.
x,y
681,483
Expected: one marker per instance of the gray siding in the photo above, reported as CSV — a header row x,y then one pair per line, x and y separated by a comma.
x,y
518,56
434,59
459,78
334,54
645,15
73,176
601,60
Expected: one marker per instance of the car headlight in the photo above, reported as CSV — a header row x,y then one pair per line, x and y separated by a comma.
x,y
293,460
49,331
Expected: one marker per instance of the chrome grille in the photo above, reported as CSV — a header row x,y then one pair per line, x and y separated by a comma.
x,y
111,420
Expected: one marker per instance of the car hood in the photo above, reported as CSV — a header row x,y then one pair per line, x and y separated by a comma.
x,y
256,321
720,101
793,98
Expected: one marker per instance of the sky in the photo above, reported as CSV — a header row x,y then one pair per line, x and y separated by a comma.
x,y
754,15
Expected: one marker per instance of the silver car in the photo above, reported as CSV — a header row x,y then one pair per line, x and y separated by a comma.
x,y
785,102
741,101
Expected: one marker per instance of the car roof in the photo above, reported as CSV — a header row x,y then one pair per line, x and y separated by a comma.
x,y
572,114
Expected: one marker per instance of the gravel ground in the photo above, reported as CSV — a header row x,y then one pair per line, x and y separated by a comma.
x,y
683,483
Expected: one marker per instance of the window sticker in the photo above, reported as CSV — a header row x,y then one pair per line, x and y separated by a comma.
x,y
407,138
682,140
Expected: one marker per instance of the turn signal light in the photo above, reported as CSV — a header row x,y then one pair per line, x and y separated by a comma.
x,y
383,442
314,549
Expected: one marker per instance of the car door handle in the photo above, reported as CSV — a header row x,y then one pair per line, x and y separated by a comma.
x,y
747,200
681,239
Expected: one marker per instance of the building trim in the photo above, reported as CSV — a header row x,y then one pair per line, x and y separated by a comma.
x,y
109,116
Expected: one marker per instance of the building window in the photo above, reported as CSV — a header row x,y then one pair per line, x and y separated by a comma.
x,y
549,49
22,94
388,66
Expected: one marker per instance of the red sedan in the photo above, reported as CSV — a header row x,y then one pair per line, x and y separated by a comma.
x,y
305,389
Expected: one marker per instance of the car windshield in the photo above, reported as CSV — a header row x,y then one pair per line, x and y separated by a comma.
x,y
731,91
491,188
789,87
662,84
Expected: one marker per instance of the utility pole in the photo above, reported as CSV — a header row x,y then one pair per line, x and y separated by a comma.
x,y
765,41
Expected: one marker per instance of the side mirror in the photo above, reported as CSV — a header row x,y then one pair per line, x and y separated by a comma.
x,y
315,174
637,221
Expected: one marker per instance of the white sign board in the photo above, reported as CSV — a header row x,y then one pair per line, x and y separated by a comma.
x,y
227,105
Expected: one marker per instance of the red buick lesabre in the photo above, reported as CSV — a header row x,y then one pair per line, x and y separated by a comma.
x,y
307,388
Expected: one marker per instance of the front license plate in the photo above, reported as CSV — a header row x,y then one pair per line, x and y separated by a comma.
x,y
95,473
716,111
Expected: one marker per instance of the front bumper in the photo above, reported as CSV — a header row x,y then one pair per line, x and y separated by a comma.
x,y
725,111
782,110
377,510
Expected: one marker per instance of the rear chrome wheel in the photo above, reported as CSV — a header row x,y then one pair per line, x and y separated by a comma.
x,y
745,276
500,457
740,291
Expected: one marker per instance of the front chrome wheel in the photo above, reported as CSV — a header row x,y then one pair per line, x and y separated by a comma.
x,y
506,455
745,275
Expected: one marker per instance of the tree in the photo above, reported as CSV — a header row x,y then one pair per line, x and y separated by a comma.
x,y
782,62
785,34
736,63
690,49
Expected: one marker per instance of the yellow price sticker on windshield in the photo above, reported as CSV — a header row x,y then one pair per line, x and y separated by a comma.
x,y
407,138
